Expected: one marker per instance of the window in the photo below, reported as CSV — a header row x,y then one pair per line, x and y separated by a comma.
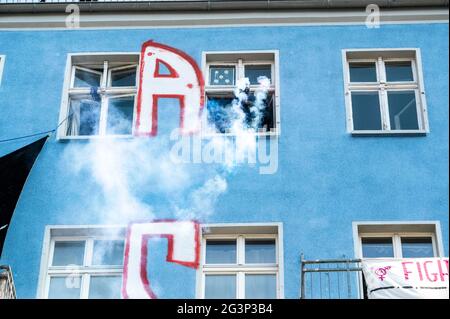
x,y
241,262
396,240
2,64
258,108
100,96
384,92
83,263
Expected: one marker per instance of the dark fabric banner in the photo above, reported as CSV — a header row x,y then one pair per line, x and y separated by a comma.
x,y
14,170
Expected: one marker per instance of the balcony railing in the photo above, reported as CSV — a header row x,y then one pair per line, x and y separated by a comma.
x,y
7,290
331,279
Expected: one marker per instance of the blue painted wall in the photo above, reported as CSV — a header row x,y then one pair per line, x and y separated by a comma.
x,y
326,178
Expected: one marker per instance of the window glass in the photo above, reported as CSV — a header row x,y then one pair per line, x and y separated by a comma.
x,y
64,287
123,77
377,247
105,287
84,116
366,111
260,286
220,286
84,78
221,75
221,251
417,247
260,251
108,252
363,72
253,72
399,71
68,253
120,115
403,110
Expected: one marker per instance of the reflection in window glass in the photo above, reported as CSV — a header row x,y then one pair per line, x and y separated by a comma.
x,y
108,252
253,72
120,115
399,71
403,110
124,77
417,247
68,253
85,78
64,287
260,251
377,247
363,72
105,287
261,286
366,111
221,75
220,286
221,251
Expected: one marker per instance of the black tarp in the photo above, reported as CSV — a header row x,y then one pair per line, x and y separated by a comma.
x,y
14,170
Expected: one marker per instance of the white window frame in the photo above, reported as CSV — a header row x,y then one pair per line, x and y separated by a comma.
x,y
396,230
109,60
380,57
240,269
240,59
2,65
89,234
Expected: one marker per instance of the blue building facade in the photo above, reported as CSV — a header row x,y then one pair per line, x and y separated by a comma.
x,y
332,183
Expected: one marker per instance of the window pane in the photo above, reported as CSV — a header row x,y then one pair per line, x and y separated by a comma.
x,y
86,79
221,75
377,247
260,286
84,116
120,115
126,77
259,251
402,110
105,287
68,253
399,71
366,111
220,286
221,251
419,247
363,72
64,287
108,252
253,72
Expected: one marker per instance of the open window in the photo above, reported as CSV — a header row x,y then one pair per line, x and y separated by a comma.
x,y
241,90
100,97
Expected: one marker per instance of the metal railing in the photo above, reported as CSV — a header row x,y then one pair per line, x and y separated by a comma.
x,y
330,279
7,289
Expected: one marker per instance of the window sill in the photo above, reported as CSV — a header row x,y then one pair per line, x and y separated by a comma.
x,y
94,137
261,134
389,133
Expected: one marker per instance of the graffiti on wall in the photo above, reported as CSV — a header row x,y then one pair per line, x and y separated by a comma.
x,y
183,248
166,72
